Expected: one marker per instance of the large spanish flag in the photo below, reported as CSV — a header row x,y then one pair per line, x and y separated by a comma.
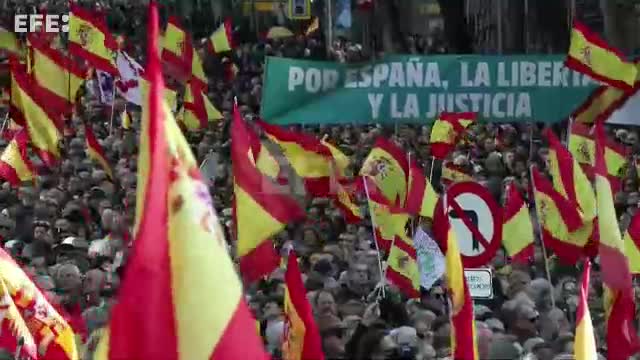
x,y
13,328
388,166
447,130
582,147
15,165
39,112
386,219
422,198
591,55
198,109
632,244
90,39
402,264
261,210
180,299
622,340
602,102
222,38
584,346
558,217
464,344
301,337
95,150
311,159
53,336
56,72
517,229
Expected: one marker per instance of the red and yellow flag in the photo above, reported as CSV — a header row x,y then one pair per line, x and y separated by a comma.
x,y
178,52
53,336
344,199
422,197
402,263
56,72
39,112
622,340
386,219
13,328
15,165
90,39
222,39
452,173
447,130
590,55
464,344
95,150
517,229
388,166
315,162
125,120
170,304
582,147
198,109
301,337
558,218
602,102
584,347
632,244
261,210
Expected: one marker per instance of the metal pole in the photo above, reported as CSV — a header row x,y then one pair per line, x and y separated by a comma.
x,y
375,239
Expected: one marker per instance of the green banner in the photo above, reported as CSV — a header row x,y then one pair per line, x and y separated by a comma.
x,y
414,89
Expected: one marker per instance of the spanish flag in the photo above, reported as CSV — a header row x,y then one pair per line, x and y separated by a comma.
x,y
582,147
584,346
590,55
261,211
222,39
198,109
15,165
344,199
452,173
13,328
402,264
90,39
179,53
464,344
388,166
301,337
422,197
170,95
311,159
53,336
517,229
622,340
56,72
180,299
387,219
558,218
632,244
39,112
602,102
9,42
95,150
447,130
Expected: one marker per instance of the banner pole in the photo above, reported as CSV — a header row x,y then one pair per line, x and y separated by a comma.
x,y
375,239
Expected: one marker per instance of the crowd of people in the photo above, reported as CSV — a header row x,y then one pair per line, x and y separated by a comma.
x,y
71,230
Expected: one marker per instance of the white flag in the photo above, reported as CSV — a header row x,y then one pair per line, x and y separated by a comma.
x,y
128,85
431,261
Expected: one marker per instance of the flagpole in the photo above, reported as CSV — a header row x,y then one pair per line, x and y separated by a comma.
x,y
4,122
113,105
539,226
375,239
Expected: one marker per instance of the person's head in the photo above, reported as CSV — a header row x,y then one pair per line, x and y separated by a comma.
x,y
68,277
310,238
375,345
272,309
359,274
62,229
526,320
93,283
518,280
325,303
